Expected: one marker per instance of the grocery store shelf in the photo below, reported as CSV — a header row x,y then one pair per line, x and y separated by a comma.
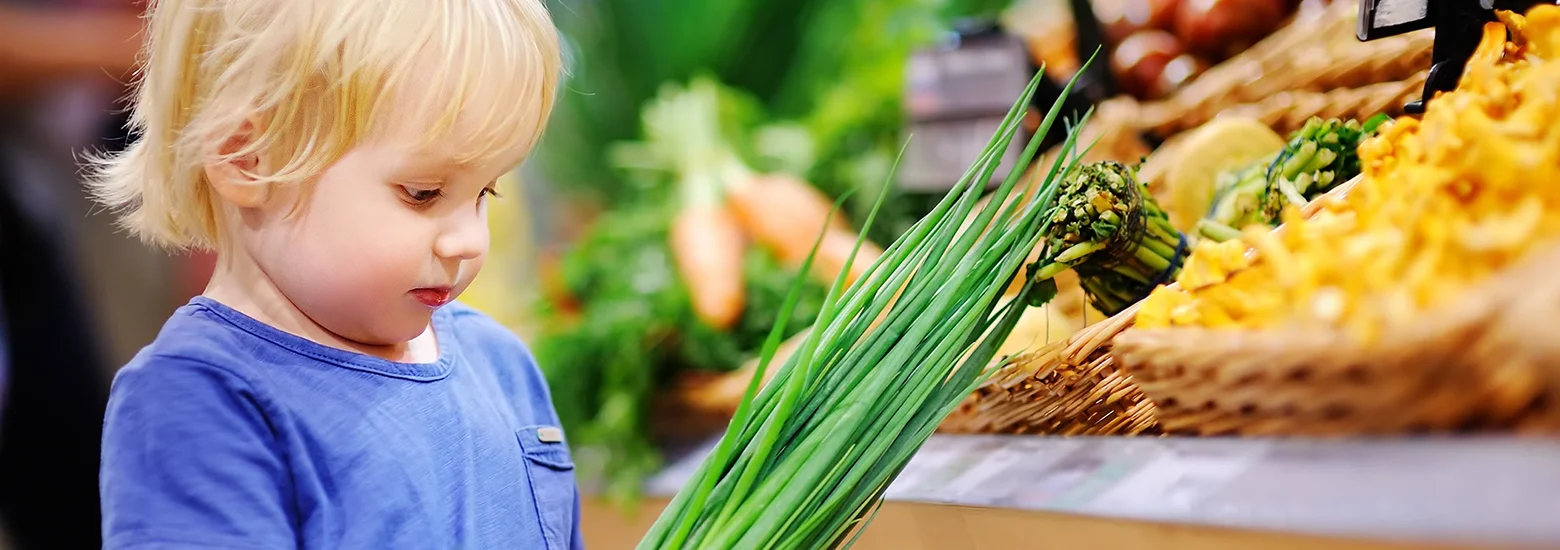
x,y
1449,490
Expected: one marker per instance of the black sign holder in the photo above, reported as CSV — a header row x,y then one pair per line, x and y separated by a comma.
x,y
1458,26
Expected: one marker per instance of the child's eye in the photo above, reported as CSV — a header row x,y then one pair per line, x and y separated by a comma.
x,y
488,192
420,196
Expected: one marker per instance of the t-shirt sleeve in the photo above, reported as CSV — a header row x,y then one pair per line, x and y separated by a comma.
x,y
190,461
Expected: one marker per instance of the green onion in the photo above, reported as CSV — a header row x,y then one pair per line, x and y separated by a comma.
x,y
806,459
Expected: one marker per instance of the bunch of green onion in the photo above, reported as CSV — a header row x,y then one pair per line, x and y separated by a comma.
x,y
806,460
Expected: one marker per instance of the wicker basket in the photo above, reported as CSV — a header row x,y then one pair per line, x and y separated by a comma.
x,y
1070,387
1073,387
1287,112
1315,54
1312,67
1479,363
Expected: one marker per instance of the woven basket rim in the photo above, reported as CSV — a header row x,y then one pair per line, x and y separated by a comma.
x,y
1477,304
1091,337
1073,405
1454,366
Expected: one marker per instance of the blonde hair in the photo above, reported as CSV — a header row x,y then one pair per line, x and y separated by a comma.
x,y
316,78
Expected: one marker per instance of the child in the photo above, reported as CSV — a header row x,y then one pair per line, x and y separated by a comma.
x,y
326,391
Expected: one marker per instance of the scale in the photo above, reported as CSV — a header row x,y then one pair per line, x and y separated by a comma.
x,y
1458,26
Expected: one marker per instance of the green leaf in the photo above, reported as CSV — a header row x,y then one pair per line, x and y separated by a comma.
x,y
1372,123
1043,293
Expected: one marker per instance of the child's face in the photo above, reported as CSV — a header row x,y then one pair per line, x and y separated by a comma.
x,y
379,241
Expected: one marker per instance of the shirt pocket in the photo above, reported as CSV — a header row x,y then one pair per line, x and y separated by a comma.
x,y
551,473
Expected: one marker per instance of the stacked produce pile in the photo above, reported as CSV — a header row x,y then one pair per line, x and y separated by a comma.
x,y
1121,244
1313,66
1409,304
1446,202
1233,179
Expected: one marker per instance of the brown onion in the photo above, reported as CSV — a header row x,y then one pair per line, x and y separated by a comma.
x,y
1141,58
1121,18
1217,29
1177,73
1162,13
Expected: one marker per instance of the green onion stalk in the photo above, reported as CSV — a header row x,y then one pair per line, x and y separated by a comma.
x,y
806,459
1319,156
1114,235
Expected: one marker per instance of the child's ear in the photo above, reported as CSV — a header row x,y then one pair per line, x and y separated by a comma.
x,y
235,177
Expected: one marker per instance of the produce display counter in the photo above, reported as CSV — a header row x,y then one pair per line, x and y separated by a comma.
x,y
1037,492
1290,257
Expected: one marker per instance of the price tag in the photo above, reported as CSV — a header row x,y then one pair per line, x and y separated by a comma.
x,y
1383,18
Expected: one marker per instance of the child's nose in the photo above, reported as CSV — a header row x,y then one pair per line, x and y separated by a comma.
x,y
463,238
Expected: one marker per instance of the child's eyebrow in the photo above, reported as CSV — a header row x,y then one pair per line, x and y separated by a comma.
x,y
431,168
438,162
444,165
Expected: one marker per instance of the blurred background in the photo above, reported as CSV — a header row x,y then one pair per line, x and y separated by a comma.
x,y
784,107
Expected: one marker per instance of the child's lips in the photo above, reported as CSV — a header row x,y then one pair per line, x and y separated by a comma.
x,y
432,297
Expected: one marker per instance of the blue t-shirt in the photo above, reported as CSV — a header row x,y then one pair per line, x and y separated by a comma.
x,y
229,433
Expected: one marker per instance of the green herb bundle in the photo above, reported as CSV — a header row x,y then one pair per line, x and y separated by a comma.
x,y
1319,156
1113,233
805,460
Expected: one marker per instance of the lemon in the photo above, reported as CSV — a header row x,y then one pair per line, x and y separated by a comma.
x,y
1038,326
1221,144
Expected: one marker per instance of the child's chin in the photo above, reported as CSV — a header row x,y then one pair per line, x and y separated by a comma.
x,y
402,329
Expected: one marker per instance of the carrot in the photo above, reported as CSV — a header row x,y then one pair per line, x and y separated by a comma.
x,y
707,247
782,213
834,251
722,395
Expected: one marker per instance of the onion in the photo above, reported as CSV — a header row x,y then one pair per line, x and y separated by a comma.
x,y
1217,29
1162,13
1177,73
1121,18
1141,58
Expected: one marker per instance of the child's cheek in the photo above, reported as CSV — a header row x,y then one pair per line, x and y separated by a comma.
x,y
352,277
